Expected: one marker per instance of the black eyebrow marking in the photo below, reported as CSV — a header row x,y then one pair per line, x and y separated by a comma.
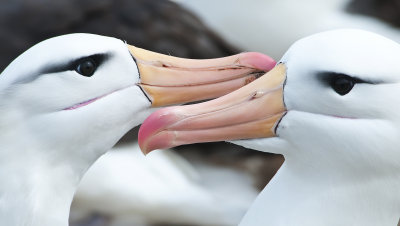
x,y
71,65
99,59
327,78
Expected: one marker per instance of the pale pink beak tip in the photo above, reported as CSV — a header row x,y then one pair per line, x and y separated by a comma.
x,y
258,60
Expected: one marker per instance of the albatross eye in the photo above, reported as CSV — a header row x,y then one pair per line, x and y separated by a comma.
x,y
342,85
86,67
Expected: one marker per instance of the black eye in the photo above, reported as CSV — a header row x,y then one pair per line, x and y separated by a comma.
x,y
342,84
86,67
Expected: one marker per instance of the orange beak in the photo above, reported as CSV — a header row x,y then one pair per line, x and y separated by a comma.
x,y
168,80
252,111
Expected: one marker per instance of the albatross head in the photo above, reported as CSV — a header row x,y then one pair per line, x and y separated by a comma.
x,y
69,99
84,90
331,102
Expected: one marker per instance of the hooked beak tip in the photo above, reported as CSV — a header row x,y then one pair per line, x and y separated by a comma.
x,y
156,141
258,60
144,150
151,126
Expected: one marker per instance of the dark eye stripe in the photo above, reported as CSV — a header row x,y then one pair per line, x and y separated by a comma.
x,y
327,78
67,66
70,66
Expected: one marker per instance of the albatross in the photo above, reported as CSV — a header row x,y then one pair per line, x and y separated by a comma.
x,y
330,106
69,99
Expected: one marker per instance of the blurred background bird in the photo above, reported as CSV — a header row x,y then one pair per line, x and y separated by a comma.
x,y
204,184
272,26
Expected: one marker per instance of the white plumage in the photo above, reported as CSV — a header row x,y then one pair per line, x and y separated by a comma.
x,y
44,148
341,153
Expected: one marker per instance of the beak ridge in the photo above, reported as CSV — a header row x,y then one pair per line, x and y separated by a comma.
x,y
169,80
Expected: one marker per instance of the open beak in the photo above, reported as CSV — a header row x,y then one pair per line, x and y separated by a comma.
x,y
252,111
168,80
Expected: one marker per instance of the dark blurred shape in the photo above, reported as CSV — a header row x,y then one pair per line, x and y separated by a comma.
x,y
157,25
94,220
386,10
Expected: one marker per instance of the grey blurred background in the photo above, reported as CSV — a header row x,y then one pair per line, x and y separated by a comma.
x,y
193,29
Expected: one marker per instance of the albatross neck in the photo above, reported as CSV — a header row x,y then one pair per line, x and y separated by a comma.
x,y
314,197
36,191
